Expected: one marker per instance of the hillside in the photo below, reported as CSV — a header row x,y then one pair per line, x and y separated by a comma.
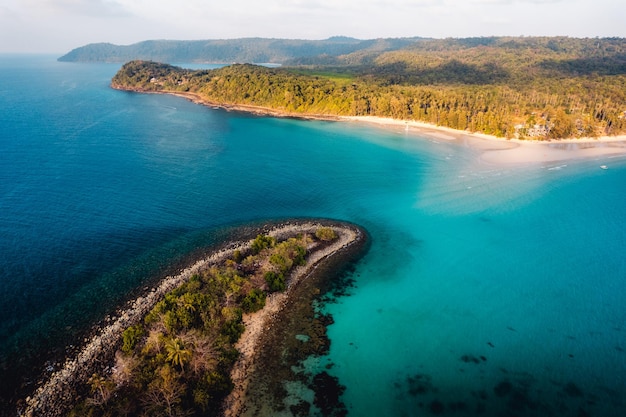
x,y
536,88
250,50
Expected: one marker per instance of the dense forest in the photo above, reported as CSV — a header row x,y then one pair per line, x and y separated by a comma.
x,y
245,50
539,88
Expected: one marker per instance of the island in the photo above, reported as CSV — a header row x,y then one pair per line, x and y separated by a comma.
x,y
513,88
201,342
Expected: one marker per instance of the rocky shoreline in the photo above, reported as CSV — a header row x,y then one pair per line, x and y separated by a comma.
x,y
256,370
257,110
52,396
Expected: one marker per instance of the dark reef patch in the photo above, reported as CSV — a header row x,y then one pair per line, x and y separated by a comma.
x,y
572,390
420,384
472,359
520,394
519,400
482,394
503,389
437,407
303,408
458,407
338,287
328,393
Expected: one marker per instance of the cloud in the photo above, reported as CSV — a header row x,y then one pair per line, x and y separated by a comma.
x,y
62,24
91,8
6,13
511,2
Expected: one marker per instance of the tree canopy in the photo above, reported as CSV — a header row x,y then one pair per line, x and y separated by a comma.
x,y
537,88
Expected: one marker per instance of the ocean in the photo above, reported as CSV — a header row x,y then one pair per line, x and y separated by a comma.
x,y
488,290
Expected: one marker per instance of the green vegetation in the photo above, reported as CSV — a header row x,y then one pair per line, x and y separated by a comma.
x,y
230,50
325,233
536,88
130,337
178,361
262,242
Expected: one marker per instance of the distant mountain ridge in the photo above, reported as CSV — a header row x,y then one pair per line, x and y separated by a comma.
x,y
243,50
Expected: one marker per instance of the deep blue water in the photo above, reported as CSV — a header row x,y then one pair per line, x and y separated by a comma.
x,y
488,290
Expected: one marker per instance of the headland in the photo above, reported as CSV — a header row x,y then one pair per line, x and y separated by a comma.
x,y
336,244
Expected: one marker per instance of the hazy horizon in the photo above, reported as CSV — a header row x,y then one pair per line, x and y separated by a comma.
x,y
58,26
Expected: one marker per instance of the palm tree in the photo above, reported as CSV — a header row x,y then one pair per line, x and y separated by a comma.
x,y
102,389
176,353
187,302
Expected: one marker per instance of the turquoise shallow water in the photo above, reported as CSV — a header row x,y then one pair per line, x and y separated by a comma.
x,y
487,290
527,292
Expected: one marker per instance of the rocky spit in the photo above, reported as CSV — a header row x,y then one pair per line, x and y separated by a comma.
x,y
257,323
54,395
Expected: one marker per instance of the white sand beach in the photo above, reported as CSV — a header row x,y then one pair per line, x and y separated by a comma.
x,y
500,151
534,152
497,151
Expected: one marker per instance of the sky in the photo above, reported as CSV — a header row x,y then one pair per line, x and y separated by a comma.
x,y
57,26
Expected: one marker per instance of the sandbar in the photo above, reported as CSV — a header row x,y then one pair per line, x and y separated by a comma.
x,y
500,151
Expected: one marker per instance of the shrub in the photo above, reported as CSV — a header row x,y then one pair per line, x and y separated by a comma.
x,y
299,258
131,337
253,301
275,281
232,329
281,261
325,234
262,242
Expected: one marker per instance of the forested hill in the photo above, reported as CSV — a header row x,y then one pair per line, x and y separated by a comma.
x,y
538,88
246,50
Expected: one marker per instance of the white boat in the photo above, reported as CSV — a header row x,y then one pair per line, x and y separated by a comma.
x,y
604,167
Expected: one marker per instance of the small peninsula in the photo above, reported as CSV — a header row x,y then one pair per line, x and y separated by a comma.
x,y
523,88
191,344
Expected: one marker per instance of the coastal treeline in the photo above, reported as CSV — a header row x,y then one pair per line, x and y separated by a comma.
x,y
177,362
538,88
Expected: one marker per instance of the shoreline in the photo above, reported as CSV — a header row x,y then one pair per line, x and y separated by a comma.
x,y
259,323
507,152
494,150
57,392
245,108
